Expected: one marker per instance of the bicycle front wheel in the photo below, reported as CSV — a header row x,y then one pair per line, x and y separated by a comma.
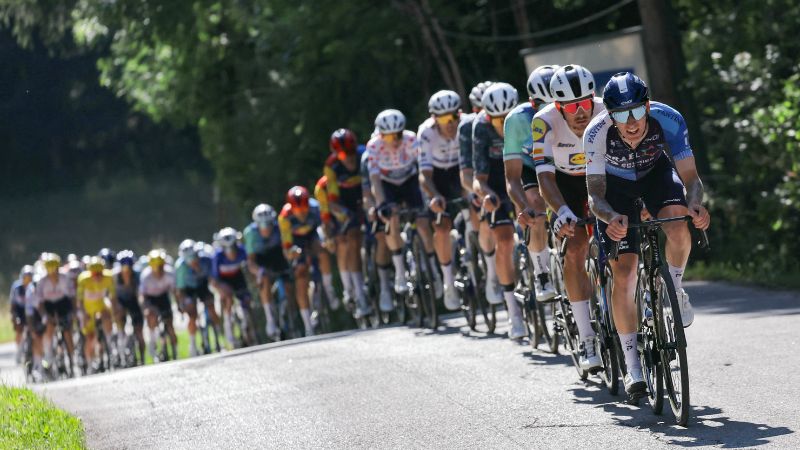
x,y
427,292
672,346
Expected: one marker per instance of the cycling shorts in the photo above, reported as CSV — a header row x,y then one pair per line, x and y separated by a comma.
x,y
238,285
159,303
92,307
529,180
272,261
573,189
17,314
448,182
61,308
35,323
659,188
407,194
132,308
503,215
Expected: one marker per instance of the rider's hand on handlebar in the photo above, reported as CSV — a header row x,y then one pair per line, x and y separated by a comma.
x,y
490,203
565,222
384,211
617,227
700,217
527,217
437,204
295,252
475,199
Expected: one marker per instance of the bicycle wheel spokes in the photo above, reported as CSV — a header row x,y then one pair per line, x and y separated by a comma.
x,y
672,348
648,353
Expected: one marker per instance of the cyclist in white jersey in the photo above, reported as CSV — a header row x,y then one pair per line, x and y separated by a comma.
x,y
393,175
561,169
52,291
155,287
439,175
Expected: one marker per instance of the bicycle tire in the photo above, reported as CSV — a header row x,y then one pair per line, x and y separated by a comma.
x,y
648,357
427,282
608,356
670,327
478,265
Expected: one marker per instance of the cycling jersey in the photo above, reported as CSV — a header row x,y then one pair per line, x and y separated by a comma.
x,y
52,291
255,243
224,267
187,277
365,183
435,151
395,165
517,138
487,154
151,285
609,154
321,194
292,228
17,295
344,185
465,140
92,292
555,146
72,276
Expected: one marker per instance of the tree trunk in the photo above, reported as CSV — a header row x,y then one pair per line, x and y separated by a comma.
x,y
412,7
522,22
451,59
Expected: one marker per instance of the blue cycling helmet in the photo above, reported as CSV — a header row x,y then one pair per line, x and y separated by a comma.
x,y
126,258
625,90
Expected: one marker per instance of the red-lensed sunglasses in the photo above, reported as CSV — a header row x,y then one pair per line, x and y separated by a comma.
x,y
572,108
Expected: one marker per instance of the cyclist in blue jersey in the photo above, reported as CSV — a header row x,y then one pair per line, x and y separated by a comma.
x,y
191,286
640,149
127,286
17,302
522,185
265,260
227,274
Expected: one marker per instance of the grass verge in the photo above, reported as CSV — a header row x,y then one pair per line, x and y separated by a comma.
x,y
6,329
28,421
727,272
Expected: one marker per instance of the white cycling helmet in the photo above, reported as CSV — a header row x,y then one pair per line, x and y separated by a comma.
x,y
476,94
390,121
539,83
264,214
227,237
444,102
570,83
499,99
186,249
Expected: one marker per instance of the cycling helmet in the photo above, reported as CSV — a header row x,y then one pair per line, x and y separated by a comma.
x,y
297,197
390,121
203,249
186,249
264,214
499,99
227,237
625,90
570,83
539,83
444,102
476,94
343,142
95,265
51,262
108,256
126,258
27,270
156,258
72,257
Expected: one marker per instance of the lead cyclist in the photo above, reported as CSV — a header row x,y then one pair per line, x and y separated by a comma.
x,y
640,148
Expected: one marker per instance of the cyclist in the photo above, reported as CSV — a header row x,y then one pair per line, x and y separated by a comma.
x,y
468,182
156,284
265,260
127,287
108,256
73,269
95,285
393,176
18,302
437,138
52,291
561,168
382,254
343,172
487,139
522,185
640,148
332,221
228,276
188,272
298,223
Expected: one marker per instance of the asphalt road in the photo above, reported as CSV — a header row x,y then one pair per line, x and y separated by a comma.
x,y
404,388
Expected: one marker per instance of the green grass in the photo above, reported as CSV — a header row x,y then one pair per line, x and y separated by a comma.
x,y
183,345
28,421
6,329
727,272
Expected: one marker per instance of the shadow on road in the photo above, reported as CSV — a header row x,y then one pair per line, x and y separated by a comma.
x,y
723,298
539,358
707,424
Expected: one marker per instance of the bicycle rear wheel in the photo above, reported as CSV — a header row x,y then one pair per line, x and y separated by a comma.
x,y
669,327
648,354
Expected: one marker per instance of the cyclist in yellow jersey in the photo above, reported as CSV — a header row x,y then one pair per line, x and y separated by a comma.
x,y
95,285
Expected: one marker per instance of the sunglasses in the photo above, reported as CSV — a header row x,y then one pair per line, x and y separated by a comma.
x,y
572,108
622,116
391,137
446,119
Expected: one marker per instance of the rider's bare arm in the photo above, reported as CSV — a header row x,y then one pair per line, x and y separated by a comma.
x,y
691,180
596,185
513,169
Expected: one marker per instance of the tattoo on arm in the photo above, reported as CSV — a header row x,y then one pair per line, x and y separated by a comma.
x,y
596,185
694,192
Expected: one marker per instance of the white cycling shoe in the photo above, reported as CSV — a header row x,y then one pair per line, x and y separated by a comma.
x,y
518,329
687,313
544,288
385,301
635,386
494,294
272,331
363,309
589,358
451,299
400,283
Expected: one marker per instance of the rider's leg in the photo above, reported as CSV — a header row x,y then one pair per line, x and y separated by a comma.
x,y
342,255
327,273
352,248
426,233
395,243
504,236
47,338
227,305
191,311
152,325
138,332
108,326
679,242
302,278
166,316
623,306
266,303
577,281
119,316
540,253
